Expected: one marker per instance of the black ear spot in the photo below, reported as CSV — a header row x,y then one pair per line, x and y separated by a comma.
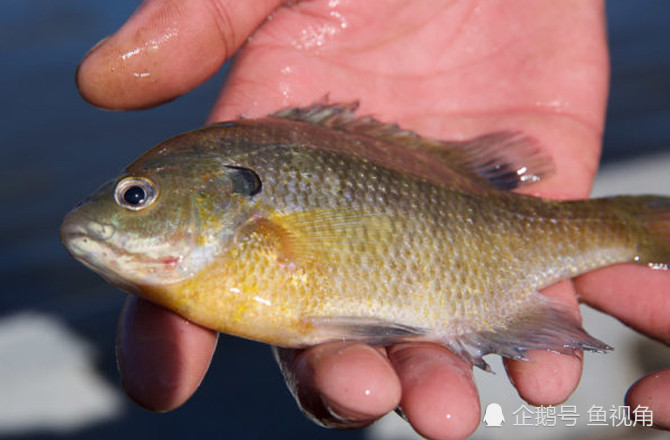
x,y
245,181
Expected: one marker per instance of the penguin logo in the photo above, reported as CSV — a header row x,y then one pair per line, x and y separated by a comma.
x,y
494,415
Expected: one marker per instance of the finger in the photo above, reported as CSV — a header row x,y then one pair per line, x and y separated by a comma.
x,y
162,357
653,392
439,397
343,385
548,378
165,49
636,295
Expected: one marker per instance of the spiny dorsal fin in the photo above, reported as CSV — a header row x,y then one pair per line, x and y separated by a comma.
x,y
342,117
504,160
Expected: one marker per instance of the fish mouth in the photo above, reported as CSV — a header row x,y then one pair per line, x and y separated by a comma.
x,y
97,246
81,234
88,242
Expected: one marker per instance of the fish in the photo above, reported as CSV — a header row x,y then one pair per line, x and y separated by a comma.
x,y
314,224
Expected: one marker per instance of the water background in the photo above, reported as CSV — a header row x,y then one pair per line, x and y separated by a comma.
x,y
55,148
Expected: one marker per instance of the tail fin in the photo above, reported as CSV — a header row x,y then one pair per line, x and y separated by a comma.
x,y
653,216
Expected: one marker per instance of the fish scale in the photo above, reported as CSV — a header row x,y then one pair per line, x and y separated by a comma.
x,y
313,225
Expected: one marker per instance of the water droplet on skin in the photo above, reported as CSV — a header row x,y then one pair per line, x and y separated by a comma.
x,y
150,45
130,54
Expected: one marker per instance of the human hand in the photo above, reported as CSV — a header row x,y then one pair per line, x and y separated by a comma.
x,y
450,70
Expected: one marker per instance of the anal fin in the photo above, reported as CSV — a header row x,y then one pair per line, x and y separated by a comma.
x,y
545,325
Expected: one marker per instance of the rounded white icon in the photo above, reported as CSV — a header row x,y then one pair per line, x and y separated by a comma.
x,y
494,415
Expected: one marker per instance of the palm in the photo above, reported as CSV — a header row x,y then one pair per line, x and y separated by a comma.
x,y
446,72
449,70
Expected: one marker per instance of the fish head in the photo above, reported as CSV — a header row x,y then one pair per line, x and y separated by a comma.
x,y
168,215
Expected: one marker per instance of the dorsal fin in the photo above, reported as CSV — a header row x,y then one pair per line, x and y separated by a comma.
x,y
504,160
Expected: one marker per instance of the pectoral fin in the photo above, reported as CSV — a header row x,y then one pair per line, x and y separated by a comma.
x,y
327,235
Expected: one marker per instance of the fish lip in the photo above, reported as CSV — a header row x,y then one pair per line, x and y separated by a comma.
x,y
72,231
81,235
78,224
69,233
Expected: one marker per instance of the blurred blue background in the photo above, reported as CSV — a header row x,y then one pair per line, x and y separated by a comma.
x,y
55,148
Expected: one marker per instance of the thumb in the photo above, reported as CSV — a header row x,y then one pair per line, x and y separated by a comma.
x,y
165,49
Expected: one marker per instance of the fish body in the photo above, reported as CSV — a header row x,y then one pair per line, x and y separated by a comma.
x,y
313,225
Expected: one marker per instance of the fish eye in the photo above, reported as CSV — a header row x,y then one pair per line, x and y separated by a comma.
x,y
135,193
